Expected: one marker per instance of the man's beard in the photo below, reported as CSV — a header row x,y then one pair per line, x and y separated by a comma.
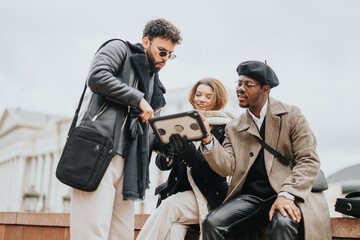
x,y
244,106
151,61
247,105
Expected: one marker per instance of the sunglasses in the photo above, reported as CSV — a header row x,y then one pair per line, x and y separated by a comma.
x,y
164,53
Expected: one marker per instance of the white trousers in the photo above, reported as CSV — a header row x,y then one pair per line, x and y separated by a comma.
x,y
169,220
103,214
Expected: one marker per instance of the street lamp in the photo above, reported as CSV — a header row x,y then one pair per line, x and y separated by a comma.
x,y
31,199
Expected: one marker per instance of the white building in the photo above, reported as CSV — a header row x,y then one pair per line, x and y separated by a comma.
x,y
30,144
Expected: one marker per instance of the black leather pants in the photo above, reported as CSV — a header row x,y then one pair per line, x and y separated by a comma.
x,y
243,215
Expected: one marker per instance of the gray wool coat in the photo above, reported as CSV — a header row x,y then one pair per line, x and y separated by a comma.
x,y
288,132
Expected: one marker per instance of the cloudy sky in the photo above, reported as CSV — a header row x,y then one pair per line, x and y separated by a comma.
x,y
314,47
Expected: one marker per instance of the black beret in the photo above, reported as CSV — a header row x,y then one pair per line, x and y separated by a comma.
x,y
258,71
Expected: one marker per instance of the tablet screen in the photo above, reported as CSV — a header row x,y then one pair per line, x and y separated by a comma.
x,y
187,124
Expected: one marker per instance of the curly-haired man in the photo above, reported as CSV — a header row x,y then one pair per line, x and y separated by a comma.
x,y
125,93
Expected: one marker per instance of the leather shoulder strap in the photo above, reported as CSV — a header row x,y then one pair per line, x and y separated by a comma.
x,y
282,159
353,194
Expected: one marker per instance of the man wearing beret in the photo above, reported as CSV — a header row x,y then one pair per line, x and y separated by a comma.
x,y
264,194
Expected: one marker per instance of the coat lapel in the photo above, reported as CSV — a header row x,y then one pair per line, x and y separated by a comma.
x,y
272,129
248,125
251,144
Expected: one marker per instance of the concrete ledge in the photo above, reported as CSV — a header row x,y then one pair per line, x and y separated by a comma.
x,y
19,225
35,219
345,228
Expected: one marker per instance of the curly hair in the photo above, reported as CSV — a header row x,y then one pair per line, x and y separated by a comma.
x,y
218,99
163,29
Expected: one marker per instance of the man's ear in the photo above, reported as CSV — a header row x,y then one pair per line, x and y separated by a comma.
x,y
266,89
145,43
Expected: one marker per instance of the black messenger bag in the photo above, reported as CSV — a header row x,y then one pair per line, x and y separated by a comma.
x,y
350,205
86,155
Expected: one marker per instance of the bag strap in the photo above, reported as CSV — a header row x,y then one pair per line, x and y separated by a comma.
x,y
77,111
353,194
73,124
282,159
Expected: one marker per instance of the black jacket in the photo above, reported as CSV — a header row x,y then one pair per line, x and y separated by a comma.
x,y
119,78
212,186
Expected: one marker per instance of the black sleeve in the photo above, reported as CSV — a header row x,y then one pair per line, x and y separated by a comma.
x,y
195,159
163,163
103,80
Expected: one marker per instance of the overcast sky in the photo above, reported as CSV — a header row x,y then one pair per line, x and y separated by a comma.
x,y
313,46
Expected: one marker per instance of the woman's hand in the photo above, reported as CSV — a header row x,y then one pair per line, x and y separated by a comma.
x,y
207,127
179,144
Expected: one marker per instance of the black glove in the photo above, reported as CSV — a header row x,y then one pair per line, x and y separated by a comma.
x,y
177,144
165,149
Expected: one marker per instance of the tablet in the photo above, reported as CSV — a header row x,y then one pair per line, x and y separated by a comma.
x,y
187,124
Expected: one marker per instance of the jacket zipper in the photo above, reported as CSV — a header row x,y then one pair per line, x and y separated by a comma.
x,y
127,115
100,111
158,110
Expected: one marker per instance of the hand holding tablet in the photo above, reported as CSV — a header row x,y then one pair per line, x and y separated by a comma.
x,y
187,124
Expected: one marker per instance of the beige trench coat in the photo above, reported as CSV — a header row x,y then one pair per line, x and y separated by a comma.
x,y
288,132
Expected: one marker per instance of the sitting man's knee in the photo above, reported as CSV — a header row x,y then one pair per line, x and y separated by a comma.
x,y
281,222
210,221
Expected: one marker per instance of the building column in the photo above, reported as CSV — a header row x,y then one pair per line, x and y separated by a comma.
x,y
59,186
4,185
12,184
17,184
8,188
45,189
52,180
32,171
39,173
56,186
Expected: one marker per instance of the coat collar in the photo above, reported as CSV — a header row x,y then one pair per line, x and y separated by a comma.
x,y
140,65
275,109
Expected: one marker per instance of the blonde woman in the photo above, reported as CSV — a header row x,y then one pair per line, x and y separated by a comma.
x,y
193,188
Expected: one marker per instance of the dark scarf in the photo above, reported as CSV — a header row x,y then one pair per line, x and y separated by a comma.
x,y
136,170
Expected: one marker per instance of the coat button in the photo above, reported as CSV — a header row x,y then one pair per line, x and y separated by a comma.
x,y
293,180
175,179
217,193
205,180
251,154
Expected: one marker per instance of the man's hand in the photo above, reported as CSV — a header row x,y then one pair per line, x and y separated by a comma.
x,y
285,205
207,127
147,111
